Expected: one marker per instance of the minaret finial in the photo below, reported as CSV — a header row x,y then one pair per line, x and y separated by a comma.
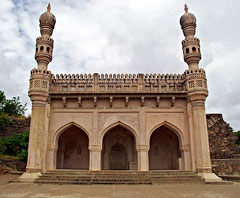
x,y
49,7
186,8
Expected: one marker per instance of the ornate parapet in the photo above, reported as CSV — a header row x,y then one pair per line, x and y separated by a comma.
x,y
118,83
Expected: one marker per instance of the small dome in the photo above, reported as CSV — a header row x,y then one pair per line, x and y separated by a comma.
x,y
47,18
187,18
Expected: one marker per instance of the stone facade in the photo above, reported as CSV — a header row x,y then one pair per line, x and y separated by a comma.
x,y
118,121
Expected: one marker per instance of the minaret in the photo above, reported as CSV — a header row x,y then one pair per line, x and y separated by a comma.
x,y
191,44
196,86
44,43
39,93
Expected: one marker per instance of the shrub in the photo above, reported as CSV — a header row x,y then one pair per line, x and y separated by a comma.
x,y
16,145
5,121
3,148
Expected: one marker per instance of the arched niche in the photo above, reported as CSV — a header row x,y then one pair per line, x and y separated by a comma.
x,y
164,153
72,149
119,149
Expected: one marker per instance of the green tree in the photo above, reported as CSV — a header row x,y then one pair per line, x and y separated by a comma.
x,y
12,107
2,99
238,135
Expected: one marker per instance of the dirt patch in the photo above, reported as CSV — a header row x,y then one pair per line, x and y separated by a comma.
x,y
6,178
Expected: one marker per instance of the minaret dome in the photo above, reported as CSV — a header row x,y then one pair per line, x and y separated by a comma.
x,y
47,22
188,23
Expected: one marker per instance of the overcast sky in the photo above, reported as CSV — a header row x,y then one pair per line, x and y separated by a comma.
x,y
125,36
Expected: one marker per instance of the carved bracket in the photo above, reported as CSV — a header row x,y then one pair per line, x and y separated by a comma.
x,y
110,100
142,101
64,101
79,101
185,148
158,101
126,101
95,101
173,101
144,148
95,147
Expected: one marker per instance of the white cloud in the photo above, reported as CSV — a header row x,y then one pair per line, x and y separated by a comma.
x,y
124,36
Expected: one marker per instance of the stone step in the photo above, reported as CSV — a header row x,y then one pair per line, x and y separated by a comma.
x,y
118,177
167,172
109,172
88,182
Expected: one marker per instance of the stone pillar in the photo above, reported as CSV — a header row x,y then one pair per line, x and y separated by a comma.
x,y
140,81
202,153
142,145
143,162
95,81
95,157
34,163
203,162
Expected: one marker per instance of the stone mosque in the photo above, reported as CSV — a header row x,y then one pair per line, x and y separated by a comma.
x,y
137,123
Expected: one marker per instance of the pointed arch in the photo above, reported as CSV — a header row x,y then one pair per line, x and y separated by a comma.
x,y
170,126
119,123
64,128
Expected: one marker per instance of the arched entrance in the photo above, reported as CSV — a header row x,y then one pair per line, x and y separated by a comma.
x,y
119,150
73,152
164,150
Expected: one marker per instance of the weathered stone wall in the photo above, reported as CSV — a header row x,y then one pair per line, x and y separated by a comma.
x,y
7,165
226,166
225,155
19,125
221,138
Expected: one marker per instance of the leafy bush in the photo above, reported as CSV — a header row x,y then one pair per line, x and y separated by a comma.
x,y
3,148
5,121
16,145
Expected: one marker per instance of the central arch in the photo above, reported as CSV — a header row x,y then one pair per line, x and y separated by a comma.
x,y
119,149
73,152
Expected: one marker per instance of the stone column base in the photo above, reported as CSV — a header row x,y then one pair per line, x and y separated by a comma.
x,y
28,177
210,177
